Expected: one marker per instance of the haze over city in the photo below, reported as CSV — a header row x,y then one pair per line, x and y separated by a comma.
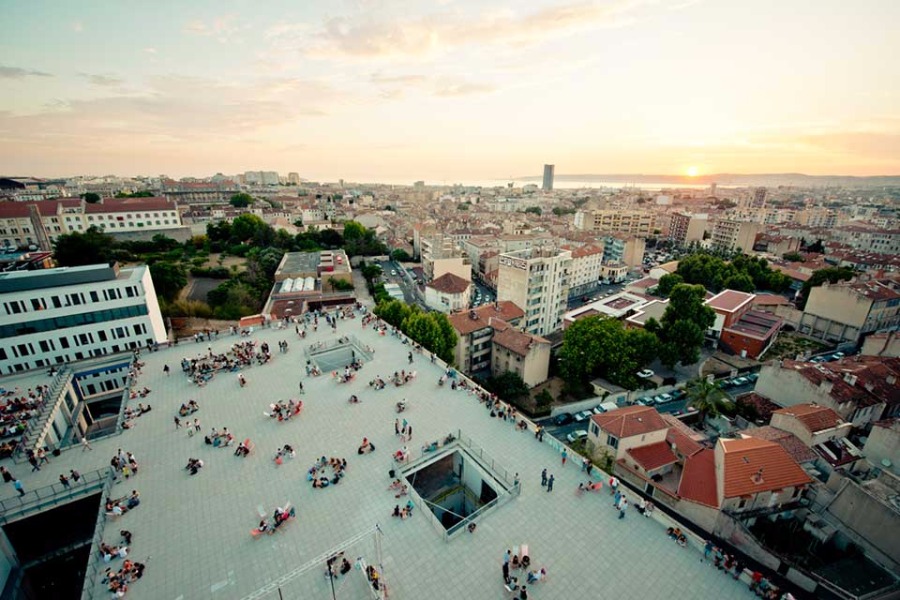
x,y
379,90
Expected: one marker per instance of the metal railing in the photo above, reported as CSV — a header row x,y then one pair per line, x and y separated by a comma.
x,y
42,423
93,570
51,495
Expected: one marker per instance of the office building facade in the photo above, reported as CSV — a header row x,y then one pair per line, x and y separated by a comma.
x,y
538,281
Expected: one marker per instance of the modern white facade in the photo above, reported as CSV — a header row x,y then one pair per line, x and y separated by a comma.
x,y
538,281
54,316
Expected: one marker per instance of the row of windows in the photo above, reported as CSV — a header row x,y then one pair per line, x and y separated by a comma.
x,y
52,324
65,358
16,307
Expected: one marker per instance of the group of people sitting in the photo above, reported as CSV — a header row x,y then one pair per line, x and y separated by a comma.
x,y
312,370
590,486
401,455
333,570
108,552
319,477
399,487
354,399
346,377
15,413
218,439
194,465
365,447
122,505
404,512
243,448
403,377
286,450
187,409
436,444
377,383
283,411
676,534
117,581
143,393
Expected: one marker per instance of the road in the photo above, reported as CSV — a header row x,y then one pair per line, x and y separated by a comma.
x,y
402,278
603,290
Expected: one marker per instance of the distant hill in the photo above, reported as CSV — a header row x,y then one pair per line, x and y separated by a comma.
x,y
737,179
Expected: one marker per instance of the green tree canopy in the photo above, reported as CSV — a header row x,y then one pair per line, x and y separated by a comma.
x,y
830,275
667,282
533,210
683,326
743,273
168,278
706,397
400,255
508,386
241,200
89,248
91,197
141,194
601,347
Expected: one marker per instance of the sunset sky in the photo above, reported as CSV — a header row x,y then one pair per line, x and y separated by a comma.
x,y
449,90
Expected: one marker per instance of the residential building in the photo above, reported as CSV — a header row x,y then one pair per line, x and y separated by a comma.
x,y
613,272
475,330
882,344
660,271
617,431
740,329
735,236
518,352
55,316
882,448
623,249
845,311
617,306
789,383
538,281
685,228
587,262
548,178
811,423
448,293
199,192
634,222
293,178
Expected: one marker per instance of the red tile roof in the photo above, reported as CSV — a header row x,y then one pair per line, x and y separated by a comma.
x,y
729,300
14,210
684,444
752,466
516,341
698,479
653,456
812,416
108,205
464,323
799,451
630,421
448,283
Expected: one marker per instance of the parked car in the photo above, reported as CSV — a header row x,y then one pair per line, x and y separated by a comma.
x,y
838,356
563,419
740,381
753,376
678,394
645,374
645,401
576,435
583,416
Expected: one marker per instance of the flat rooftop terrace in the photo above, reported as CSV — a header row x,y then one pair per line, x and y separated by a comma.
x,y
196,528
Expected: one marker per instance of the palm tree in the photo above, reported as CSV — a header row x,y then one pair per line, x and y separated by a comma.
x,y
706,397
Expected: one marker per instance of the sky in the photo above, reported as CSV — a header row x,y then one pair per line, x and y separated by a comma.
x,y
449,90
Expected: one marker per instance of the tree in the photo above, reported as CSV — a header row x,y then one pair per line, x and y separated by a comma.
x,y
241,200
339,284
543,400
597,346
400,255
533,210
508,386
245,227
667,282
683,326
89,248
792,257
168,278
91,197
830,275
141,194
706,397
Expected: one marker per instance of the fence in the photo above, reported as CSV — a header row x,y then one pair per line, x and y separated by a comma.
x,y
93,570
50,495
40,425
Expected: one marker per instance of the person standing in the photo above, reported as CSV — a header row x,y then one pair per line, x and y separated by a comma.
x,y
19,487
565,456
197,425
166,370
177,423
64,480
622,506
616,499
302,391
7,476
505,572
544,478
550,483
85,444
396,426
75,475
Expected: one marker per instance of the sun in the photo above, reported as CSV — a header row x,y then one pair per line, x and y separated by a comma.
x,y
693,171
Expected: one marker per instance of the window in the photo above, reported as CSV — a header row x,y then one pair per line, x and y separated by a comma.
x,y
102,335
37,304
131,292
3,355
595,429
612,442
94,297
64,342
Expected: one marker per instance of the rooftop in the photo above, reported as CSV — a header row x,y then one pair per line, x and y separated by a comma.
x,y
653,456
630,421
478,318
756,324
799,451
698,479
753,465
196,528
729,300
516,341
813,417
448,283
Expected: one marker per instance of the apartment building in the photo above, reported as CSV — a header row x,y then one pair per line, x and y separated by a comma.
x,y
54,316
735,236
845,311
40,223
882,241
685,228
624,249
475,331
538,281
448,293
635,222
587,262
521,353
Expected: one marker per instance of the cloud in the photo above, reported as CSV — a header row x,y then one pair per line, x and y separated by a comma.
x,y
381,79
102,80
449,90
392,87
366,37
77,26
222,28
19,73
150,50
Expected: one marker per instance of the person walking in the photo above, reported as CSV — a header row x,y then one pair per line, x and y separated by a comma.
x,y
75,475
616,499
166,370
505,572
64,480
7,476
544,478
197,425
409,433
85,444
177,423
396,426
302,391
19,487
550,484
565,456
622,506
34,463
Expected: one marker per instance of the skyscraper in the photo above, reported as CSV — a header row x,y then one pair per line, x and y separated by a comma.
x,y
759,198
548,178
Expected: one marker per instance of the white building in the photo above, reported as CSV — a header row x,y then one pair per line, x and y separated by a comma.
x,y
448,293
587,263
538,281
55,316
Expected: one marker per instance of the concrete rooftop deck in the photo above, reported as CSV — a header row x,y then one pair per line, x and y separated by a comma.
x,y
193,531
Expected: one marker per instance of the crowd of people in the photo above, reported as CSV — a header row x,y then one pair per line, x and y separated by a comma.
x,y
124,463
318,474
16,409
283,411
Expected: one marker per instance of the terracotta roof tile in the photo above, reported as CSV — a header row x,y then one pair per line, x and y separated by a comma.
x,y
630,421
653,456
448,283
108,205
812,416
464,323
752,466
729,300
698,479
516,341
799,451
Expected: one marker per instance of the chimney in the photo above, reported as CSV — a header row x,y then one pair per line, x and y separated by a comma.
x,y
850,378
757,477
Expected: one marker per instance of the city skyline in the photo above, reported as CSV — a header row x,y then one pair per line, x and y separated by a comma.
x,y
381,90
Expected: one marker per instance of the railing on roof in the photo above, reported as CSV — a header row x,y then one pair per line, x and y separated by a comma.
x,y
51,495
38,428
93,570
